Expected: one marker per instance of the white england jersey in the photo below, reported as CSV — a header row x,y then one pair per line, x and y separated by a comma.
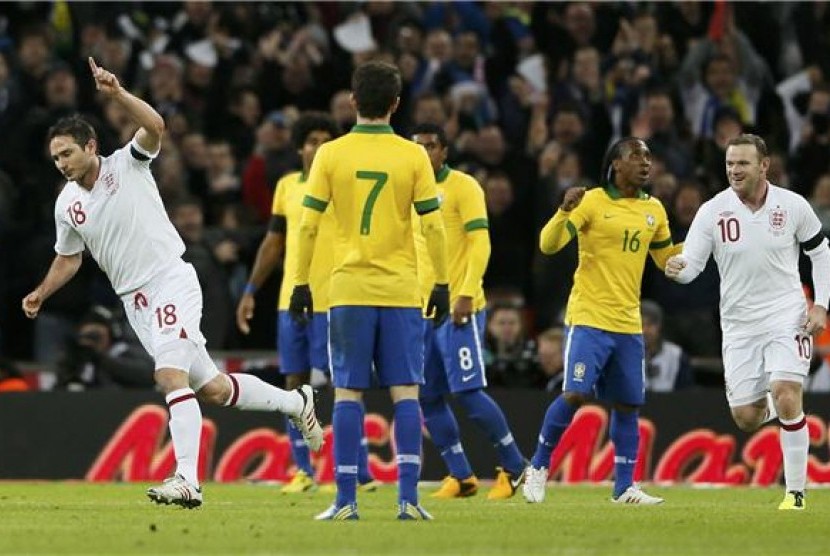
x,y
121,220
757,257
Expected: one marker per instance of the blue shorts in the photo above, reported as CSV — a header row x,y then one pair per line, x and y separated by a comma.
x,y
302,347
453,358
390,337
610,364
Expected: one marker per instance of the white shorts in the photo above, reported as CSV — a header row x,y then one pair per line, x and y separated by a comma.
x,y
752,363
166,314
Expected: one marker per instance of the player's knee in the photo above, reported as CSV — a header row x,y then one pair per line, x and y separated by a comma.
x,y
787,400
747,421
170,380
217,391
575,398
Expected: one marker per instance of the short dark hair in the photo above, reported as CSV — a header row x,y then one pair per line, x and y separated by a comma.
x,y
376,86
751,139
76,127
313,121
431,129
616,152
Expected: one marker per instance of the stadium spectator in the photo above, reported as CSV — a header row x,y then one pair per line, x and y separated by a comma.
x,y
810,159
509,355
667,367
550,355
98,356
273,157
722,70
820,200
208,260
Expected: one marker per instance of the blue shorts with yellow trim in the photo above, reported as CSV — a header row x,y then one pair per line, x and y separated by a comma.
x,y
608,364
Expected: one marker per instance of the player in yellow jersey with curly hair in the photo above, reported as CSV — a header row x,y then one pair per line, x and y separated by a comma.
x,y
617,225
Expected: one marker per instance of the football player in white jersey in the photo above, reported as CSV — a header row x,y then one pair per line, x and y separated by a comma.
x,y
754,230
111,206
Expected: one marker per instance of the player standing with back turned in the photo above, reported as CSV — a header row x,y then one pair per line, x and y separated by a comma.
x,y
372,179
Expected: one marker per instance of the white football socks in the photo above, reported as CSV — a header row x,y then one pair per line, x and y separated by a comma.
x,y
252,394
795,446
185,431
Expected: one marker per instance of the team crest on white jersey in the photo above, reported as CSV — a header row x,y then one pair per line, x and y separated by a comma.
x,y
650,220
110,183
777,219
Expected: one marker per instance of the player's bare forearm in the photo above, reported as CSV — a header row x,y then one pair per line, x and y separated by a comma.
x,y
63,268
151,123
432,226
556,234
478,255
267,257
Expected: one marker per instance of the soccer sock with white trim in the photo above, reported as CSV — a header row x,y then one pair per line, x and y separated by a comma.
x,y
185,430
299,449
443,429
557,418
347,429
486,413
795,446
408,444
625,434
250,393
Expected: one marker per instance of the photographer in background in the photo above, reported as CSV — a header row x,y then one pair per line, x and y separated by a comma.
x,y
99,357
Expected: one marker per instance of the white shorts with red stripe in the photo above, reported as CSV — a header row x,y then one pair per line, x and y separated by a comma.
x,y
166,314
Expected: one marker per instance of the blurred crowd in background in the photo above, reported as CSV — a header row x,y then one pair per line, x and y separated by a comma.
x,y
530,94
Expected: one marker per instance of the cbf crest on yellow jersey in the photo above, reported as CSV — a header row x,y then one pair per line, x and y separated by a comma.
x,y
372,178
288,202
464,211
615,234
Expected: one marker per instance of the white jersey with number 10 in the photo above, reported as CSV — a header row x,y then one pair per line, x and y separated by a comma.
x,y
757,257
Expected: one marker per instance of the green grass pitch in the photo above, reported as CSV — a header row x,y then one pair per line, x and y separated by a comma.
x,y
81,518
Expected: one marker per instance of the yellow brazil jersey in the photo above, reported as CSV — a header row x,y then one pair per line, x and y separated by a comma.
x,y
464,212
615,235
372,178
288,202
